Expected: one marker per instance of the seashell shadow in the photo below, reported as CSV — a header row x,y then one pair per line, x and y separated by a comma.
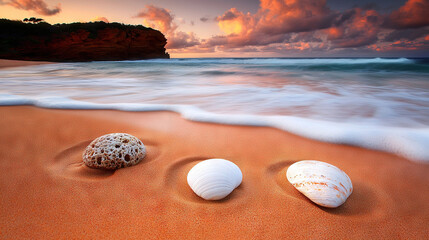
x,y
276,167
67,153
365,200
68,163
277,172
175,181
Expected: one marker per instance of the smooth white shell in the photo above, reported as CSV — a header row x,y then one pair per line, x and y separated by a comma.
x,y
214,179
323,183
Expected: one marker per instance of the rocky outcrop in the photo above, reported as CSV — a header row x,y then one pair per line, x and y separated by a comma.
x,y
97,41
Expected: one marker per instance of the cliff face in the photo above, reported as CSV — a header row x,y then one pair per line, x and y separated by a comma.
x,y
79,42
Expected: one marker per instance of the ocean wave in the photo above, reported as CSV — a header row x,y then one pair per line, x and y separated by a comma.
x,y
304,64
411,143
277,60
217,73
378,98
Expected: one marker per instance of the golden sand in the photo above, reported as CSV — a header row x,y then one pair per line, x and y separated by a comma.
x,y
48,193
18,63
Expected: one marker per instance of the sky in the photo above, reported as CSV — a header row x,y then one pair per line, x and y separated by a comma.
x,y
256,28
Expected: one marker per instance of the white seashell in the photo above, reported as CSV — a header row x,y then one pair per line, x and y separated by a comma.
x,y
214,179
323,183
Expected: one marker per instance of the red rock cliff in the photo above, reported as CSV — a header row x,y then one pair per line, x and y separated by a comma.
x,y
81,42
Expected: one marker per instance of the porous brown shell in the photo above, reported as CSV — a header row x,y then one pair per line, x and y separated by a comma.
x,y
113,151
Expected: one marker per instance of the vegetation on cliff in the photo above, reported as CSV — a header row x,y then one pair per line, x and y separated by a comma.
x,y
94,41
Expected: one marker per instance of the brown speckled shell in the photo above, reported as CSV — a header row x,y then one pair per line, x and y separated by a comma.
x,y
113,151
323,183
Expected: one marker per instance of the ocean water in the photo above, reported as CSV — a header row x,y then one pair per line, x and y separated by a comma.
x,y
375,103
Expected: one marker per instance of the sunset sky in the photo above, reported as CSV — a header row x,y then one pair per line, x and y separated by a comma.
x,y
256,28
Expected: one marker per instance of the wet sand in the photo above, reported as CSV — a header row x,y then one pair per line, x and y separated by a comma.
x,y
47,192
4,63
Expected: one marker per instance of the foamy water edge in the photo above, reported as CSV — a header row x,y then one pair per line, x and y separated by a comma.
x,y
411,143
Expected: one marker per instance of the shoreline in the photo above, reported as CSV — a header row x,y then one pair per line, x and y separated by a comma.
x,y
46,188
6,63
410,143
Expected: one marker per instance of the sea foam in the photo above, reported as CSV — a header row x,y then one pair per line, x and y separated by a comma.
x,y
411,143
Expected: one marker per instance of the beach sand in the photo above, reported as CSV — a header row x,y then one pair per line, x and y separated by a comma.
x,y
4,63
47,193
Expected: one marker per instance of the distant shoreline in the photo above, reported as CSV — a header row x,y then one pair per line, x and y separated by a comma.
x,y
5,63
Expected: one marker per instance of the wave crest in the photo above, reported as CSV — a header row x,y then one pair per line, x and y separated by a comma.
x,y
411,143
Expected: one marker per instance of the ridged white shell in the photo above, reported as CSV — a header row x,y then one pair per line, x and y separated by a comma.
x,y
323,183
214,179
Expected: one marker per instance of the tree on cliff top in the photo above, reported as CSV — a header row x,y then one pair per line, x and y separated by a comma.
x,y
33,20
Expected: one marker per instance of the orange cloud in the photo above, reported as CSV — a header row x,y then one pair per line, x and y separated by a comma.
x,y
38,6
236,22
296,26
401,46
355,28
273,22
335,33
159,18
162,19
413,14
310,25
284,16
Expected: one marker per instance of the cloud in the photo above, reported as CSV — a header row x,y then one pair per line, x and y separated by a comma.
x,y
228,15
421,45
179,39
182,40
310,25
100,19
413,14
406,34
285,16
181,20
273,22
305,37
236,22
204,19
159,18
298,25
292,26
162,19
38,6
355,28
